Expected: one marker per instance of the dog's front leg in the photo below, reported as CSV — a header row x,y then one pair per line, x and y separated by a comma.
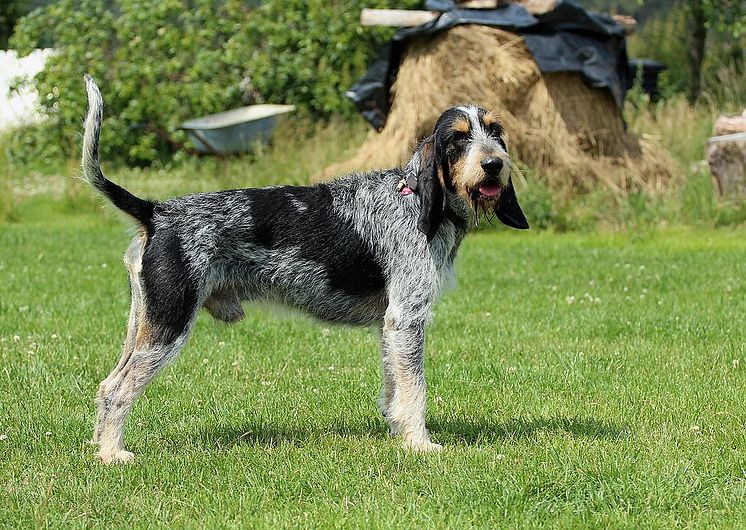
x,y
404,346
387,390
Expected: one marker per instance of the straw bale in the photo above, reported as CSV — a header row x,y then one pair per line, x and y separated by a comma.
x,y
571,133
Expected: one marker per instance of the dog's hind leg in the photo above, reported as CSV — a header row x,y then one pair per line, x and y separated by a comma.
x,y
165,302
132,259
155,347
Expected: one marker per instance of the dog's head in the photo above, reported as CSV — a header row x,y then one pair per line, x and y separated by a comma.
x,y
465,158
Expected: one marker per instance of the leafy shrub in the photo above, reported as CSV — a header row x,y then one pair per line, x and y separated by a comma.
x,y
159,63
311,51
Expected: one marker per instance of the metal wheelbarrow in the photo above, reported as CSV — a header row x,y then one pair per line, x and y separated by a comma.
x,y
234,131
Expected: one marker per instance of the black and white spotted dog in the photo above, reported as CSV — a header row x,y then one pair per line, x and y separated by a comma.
x,y
373,248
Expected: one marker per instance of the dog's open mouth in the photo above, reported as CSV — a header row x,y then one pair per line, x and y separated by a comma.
x,y
490,190
484,198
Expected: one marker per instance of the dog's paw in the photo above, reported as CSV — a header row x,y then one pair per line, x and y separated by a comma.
x,y
116,457
423,446
393,427
383,407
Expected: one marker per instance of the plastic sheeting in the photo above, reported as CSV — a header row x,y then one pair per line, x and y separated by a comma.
x,y
566,39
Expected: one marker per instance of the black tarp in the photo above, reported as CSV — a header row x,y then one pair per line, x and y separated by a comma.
x,y
566,39
648,72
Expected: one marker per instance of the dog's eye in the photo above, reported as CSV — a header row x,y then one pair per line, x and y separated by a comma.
x,y
460,136
494,129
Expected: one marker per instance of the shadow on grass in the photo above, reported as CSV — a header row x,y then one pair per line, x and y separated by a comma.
x,y
263,434
470,431
484,431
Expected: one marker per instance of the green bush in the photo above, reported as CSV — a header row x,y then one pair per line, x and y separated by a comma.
x,y
159,63
309,52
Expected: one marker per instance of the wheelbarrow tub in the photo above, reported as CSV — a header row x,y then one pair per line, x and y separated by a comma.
x,y
234,131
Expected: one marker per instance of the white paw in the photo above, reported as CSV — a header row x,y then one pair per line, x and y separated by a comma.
x,y
423,446
393,428
116,457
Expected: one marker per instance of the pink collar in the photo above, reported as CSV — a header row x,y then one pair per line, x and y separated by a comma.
x,y
403,189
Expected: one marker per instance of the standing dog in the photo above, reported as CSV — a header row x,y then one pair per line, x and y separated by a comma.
x,y
372,248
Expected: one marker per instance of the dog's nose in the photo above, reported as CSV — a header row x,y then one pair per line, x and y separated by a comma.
x,y
492,166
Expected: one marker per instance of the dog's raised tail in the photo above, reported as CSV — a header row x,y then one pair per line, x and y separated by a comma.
x,y
140,209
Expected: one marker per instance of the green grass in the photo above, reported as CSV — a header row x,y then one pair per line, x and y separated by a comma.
x,y
624,408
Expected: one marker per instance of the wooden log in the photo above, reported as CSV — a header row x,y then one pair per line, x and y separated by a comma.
x,y
538,7
396,17
406,17
480,4
411,17
726,156
730,124
627,22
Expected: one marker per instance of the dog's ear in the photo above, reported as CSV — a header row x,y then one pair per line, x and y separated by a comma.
x,y
428,172
509,211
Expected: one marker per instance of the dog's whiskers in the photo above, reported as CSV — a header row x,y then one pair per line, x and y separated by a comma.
x,y
475,209
489,215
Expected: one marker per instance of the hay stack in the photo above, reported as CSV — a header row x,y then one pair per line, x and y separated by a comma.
x,y
573,134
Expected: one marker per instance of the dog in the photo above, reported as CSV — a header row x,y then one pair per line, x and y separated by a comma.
x,y
374,248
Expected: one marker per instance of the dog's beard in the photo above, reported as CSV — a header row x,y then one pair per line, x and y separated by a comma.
x,y
483,208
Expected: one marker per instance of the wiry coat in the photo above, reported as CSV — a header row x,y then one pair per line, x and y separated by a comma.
x,y
354,251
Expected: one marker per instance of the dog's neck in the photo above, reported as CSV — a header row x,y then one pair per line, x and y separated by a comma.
x,y
457,211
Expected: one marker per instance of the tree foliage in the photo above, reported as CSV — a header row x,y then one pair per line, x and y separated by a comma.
x,y
8,16
727,16
160,63
713,61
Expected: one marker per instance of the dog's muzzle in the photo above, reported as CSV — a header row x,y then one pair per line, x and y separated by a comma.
x,y
492,186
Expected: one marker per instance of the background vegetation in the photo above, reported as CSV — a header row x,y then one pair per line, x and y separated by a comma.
x,y
176,59
165,62
172,60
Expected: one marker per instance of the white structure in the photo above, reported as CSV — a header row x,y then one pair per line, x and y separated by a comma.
x,y
19,108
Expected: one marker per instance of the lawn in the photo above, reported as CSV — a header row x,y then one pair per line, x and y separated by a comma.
x,y
574,380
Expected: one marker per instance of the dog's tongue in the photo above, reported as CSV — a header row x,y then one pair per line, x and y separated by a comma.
x,y
490,190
